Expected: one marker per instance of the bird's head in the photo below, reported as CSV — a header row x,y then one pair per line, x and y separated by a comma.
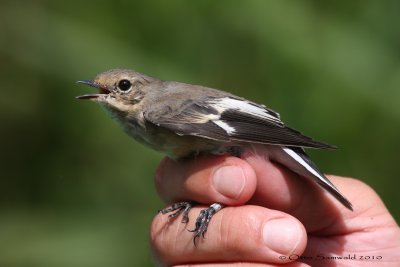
x,y
119,89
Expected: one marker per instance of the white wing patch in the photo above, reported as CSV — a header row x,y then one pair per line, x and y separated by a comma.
x,y
222,104
228,129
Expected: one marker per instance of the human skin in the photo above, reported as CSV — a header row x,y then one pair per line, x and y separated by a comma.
x,y
273,217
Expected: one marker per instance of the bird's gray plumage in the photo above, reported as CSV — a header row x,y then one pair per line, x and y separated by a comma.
x,y
182,119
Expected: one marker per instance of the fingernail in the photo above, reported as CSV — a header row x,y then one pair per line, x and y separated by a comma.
x,y
282,235
229,181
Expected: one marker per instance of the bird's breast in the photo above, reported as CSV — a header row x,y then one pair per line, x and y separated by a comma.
x,y
164,140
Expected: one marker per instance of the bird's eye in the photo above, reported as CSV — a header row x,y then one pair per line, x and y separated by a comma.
x,y
124,85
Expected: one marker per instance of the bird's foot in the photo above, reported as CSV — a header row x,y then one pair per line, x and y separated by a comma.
x,y
179,208
202,220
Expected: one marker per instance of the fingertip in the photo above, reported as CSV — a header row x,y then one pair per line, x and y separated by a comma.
x,y
284,235
234,180
206,179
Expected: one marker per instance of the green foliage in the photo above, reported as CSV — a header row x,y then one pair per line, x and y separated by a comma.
x,y
75,191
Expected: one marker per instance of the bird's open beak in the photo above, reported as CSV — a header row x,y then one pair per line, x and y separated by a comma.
x,y
102,90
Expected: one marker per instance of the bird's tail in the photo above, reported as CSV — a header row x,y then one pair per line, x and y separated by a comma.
x,y
298,161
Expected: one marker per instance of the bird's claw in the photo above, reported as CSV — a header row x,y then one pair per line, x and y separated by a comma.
x,y
202,220
179,208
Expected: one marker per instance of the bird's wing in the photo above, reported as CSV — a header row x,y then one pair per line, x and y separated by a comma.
x,y
230,119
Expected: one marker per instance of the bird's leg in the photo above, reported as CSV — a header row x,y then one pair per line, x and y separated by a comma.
x,y
204,219
236,151
179,208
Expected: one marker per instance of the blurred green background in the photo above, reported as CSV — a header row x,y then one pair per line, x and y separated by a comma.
x,y
76,191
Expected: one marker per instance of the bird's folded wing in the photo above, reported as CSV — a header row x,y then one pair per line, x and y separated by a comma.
x,y
230,119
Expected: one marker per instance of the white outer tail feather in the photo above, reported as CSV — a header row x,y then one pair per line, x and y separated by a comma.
x,y
296,162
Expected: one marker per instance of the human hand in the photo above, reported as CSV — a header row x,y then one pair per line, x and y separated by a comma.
x,y
275,217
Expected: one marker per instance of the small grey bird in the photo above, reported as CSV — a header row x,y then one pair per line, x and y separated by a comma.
x,y
183,120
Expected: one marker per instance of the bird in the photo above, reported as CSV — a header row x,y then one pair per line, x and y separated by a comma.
x,y
184,120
